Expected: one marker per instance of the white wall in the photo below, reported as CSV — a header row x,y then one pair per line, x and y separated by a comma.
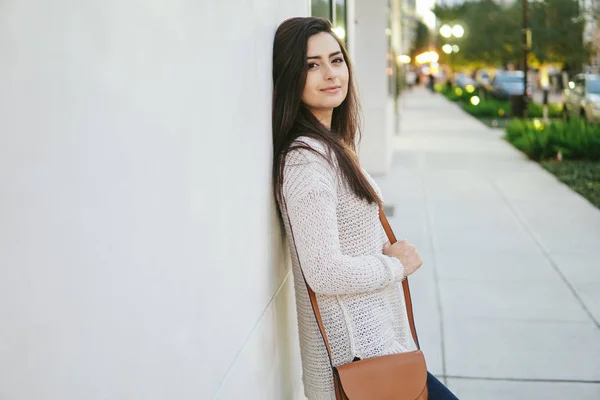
x,y
369,56
140,256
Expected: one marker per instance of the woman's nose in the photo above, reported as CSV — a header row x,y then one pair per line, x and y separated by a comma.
x,y
329,71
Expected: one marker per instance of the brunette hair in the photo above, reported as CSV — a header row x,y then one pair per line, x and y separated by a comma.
x,y
291,118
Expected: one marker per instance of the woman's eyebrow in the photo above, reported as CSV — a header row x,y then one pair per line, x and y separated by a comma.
x,y
317,57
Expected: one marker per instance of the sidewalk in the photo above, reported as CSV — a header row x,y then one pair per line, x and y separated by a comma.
x,y
507,303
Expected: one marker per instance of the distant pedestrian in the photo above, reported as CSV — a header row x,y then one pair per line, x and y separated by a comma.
x,y
432,82
449,82
411,78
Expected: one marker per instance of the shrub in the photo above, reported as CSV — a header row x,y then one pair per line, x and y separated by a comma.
x,y
455,94
502,109
536,110
488,109
575,139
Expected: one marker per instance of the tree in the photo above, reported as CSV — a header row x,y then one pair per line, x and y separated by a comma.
x,y
491,31
557,31
422,39
494,31
448,13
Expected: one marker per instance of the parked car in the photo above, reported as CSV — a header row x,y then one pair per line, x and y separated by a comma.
x,y
582,98
463,81
481,78
506,84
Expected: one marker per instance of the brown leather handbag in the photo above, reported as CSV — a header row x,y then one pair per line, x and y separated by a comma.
x,y
393,377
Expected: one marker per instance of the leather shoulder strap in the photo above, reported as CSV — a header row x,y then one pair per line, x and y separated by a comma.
x,y
313,298
407,299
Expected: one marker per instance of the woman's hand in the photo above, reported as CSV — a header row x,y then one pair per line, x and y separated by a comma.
x,y
406,253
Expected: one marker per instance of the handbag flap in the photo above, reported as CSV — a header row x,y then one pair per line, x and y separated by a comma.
x,y
391,377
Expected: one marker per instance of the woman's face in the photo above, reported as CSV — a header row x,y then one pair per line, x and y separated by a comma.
x,y
327,76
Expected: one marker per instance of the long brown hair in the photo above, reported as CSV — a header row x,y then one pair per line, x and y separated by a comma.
x,y
291,119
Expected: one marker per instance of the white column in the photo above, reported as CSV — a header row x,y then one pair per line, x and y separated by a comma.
x,y
369,46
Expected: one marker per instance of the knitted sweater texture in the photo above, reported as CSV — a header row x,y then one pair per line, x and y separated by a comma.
x,y
337,240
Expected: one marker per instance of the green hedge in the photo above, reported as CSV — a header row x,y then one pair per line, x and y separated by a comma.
x,y
575,139
536,110
502,109
488,109
493,108
455,94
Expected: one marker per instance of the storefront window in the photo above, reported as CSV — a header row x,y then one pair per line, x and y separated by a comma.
x,y
321,8
339,20
336,14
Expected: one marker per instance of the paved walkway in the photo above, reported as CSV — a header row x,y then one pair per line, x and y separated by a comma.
x,y
508,300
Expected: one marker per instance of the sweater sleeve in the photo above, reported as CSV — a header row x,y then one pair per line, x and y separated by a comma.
x,y
309,192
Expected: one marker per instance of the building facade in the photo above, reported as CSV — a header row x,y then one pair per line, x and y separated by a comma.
x,y
140,252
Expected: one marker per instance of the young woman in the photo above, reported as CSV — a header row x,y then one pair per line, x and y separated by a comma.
x,y
329,206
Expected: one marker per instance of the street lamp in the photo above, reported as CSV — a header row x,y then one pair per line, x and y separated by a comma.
x,y
458,31
448,48
446,31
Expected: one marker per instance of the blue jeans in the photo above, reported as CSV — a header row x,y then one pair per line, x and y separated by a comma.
x,y
437,390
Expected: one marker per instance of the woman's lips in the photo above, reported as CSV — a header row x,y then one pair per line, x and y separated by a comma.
x,y
331,90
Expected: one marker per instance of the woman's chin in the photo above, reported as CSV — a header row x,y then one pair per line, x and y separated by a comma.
x,y
333,103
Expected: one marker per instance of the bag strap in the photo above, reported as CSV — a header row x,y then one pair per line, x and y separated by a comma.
x,y
313,297
407,299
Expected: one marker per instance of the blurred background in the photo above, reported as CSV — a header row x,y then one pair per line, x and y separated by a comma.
x,y
140,252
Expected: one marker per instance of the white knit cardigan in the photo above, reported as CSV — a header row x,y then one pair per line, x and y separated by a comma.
x,y
337,239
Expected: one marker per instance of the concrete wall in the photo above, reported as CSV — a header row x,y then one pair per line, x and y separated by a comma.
x,y
369,46
140,256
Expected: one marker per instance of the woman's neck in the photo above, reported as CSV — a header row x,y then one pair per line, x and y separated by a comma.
x,y
324,117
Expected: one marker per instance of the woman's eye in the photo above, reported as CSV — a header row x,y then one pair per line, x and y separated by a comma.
x,y
311,65
338,60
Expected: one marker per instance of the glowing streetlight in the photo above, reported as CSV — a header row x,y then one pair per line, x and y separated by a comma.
x,y
427,58
446,31
447,48
458,31
403,59
340,32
